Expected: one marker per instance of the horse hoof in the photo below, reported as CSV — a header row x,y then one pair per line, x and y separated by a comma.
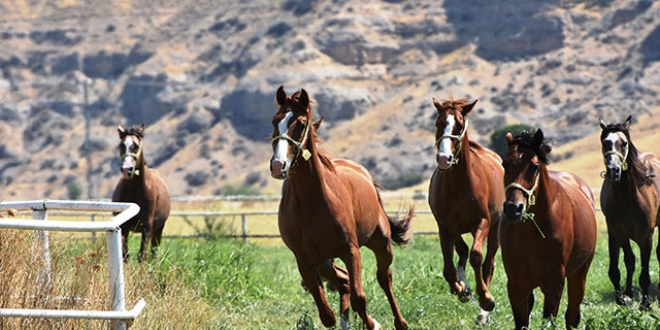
x,y
343,323
483,318
646,304
489,306
466,295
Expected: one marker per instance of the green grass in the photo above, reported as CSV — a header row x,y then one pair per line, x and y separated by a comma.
x,y
258,287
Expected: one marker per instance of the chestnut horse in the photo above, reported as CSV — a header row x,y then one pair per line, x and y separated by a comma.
x,y
629,198
145,187
465,196
547,231
329,209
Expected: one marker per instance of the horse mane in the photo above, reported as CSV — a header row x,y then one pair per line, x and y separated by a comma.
x,y
639,168
136,130
324,156
525,139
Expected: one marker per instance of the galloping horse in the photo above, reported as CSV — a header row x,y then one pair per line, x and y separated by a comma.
x,y
629,198
143,186
466,196
329,209
547,231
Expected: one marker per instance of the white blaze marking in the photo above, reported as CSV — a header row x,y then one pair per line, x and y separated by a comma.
x,y
613,158
282,148
444,148
128,161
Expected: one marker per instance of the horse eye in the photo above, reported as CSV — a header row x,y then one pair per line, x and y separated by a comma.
x,y
624,144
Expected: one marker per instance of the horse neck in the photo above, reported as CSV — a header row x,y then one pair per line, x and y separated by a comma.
x,y
307,176
546,189
463,168
140,180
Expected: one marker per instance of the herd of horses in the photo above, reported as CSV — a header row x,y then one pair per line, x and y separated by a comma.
x,y
543,219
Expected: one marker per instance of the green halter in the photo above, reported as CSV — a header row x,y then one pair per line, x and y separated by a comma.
x,y
459,141
135,156
529,193
300,146
623,158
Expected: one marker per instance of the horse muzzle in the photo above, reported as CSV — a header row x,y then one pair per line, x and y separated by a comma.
x,y
278,169
514,211
613,173
444,161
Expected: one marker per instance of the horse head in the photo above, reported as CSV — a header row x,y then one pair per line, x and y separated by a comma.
x,y
292,125
522,169
450,130
615,145
130,150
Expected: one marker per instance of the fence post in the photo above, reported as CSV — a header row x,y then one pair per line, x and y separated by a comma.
x,y
93,233
42,247
116,270
245,229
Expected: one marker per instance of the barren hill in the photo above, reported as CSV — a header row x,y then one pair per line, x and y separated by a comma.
x,y
202,75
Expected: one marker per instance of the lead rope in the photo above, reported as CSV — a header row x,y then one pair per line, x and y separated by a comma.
x,y
531,201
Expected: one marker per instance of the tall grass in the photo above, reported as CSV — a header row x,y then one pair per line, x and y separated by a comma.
x,y
223,284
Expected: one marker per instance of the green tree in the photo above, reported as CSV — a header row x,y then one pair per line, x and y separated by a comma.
x,y
73,190
498,140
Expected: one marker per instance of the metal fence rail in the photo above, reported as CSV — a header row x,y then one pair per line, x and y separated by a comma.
x,y
119,316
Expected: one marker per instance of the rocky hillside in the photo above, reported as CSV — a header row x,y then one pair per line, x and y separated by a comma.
x,y
202,75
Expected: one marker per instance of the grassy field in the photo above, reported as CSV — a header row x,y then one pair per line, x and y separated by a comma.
x,y
224,284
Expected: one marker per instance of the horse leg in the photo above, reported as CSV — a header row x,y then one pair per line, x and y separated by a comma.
x,y
614,245
338,277
156,238
144,241
353,263
315,286
382,248
645,248
486,301
552,289
629,261
522,301
576,285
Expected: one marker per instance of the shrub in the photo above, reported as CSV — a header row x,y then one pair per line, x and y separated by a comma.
x,y
498,140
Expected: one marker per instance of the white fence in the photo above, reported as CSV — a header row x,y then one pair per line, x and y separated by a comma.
x,y
119,316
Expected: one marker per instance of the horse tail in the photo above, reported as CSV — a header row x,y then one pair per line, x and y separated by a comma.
x,y
400,228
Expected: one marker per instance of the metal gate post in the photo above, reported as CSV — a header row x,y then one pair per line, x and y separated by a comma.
x,y
116,269
42,245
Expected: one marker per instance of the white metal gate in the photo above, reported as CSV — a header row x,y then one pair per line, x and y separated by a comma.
x,y
119,316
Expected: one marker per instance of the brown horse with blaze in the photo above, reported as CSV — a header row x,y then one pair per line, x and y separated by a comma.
x,y
329,209
145,187
465,196
547,231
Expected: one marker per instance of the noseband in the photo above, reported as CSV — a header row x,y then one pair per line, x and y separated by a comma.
x,y
135,156
300,146
529,194
623,158
459,141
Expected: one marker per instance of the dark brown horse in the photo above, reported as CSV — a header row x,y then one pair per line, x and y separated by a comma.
x,y
547,232
329,209
466,196
145,187
629,198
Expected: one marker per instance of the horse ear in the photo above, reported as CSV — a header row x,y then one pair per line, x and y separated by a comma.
x,y
468,107
120,130
280,96
437,103
317,124
509,138
304,99
627,123
539,140
603,125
